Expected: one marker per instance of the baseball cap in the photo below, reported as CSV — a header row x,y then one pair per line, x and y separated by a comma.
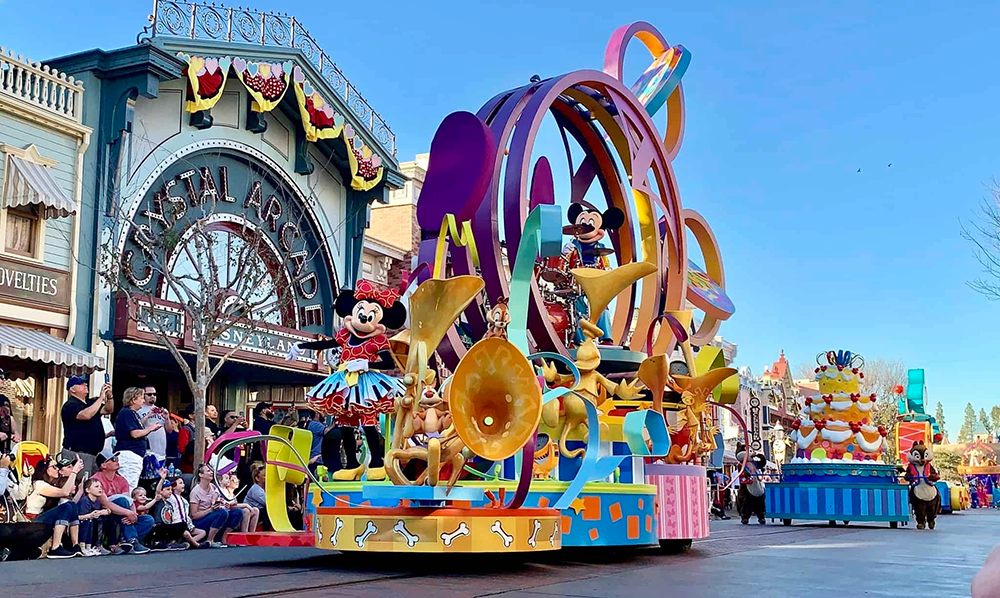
x,y
74,380
101,459
167,483
260,407
62,461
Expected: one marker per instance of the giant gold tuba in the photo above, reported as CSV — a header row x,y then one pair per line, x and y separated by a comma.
x,y
434,307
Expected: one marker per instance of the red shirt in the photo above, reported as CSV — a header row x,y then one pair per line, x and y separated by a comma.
x,y
367,350
116,485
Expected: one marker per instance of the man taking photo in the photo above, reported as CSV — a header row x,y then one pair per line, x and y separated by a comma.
x,y
83,432
149,413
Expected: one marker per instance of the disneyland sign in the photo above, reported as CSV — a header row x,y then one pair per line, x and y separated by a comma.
x,y
159,320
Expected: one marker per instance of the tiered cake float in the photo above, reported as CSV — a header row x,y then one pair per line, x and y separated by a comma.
x,y
837,473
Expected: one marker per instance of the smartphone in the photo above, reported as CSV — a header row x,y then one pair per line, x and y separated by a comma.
x,y
107,378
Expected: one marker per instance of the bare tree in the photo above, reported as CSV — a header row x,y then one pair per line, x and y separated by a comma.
x,y
984,233
881,376
224,281
805,370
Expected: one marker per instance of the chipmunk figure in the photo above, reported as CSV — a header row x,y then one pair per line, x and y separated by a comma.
x,y
433,418
498,319
922,477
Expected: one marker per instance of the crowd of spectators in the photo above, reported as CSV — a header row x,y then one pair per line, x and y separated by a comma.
x,y
129,487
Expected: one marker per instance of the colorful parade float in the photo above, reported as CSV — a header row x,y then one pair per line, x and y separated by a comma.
x,y
914,424
837,473
534,401
979,466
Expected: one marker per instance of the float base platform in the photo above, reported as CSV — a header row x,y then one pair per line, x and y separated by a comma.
x,y
446,530
838,492
272,539
604,514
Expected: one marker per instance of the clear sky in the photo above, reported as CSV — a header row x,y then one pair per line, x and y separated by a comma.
x,y
785,102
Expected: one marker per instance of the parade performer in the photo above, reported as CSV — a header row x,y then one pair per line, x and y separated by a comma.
x,y
922,476
750,497
356,393
587,249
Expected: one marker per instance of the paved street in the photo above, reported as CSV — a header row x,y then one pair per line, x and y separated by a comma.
x,y
760,561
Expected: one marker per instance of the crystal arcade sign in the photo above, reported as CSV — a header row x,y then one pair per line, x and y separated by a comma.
x,y
234,193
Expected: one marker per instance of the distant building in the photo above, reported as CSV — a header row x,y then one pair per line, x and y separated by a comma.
x,y
780,391
393,236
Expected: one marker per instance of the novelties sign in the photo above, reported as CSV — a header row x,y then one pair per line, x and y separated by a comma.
x,y
33,284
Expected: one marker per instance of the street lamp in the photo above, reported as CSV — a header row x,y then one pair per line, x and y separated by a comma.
x,y
779,444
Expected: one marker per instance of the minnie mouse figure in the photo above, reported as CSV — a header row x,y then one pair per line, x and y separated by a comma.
x,y
591,253
356,393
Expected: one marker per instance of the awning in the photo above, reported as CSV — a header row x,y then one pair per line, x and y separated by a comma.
x,y
39,346
31,184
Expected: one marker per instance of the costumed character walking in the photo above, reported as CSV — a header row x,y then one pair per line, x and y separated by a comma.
x,y
357,393
922,476
750,497
586,249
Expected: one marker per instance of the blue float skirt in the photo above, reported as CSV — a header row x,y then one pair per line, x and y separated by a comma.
x,y
372,387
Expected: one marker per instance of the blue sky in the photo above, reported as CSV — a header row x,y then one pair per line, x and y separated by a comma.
x,y
785,102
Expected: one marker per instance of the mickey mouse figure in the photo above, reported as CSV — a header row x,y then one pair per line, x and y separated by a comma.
x,y
356,393
586,249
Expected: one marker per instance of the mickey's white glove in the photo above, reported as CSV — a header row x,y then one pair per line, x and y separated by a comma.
x,y
293,353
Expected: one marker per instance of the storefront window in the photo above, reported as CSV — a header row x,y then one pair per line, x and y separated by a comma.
x,y
21,232
21,394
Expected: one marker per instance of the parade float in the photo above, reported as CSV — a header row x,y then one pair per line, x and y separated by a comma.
x,y
979,466
567,421
837,473
914,425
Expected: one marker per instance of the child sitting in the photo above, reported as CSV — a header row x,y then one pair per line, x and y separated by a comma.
x,y
177,510
251,514
143,506
92,518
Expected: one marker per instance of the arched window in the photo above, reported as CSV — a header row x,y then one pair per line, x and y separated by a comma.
x,y
229,253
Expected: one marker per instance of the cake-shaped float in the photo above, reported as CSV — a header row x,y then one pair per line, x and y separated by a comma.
x,y
836,425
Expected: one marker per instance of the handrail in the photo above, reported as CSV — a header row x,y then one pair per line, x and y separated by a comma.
x,y
199,21
40,85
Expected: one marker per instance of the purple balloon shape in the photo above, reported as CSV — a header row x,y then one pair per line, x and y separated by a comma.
x,y
459,172
542,187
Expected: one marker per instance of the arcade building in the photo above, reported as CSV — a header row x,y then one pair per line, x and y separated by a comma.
x,y
241,115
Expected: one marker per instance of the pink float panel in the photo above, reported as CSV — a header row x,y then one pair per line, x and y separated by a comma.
x,y
681,501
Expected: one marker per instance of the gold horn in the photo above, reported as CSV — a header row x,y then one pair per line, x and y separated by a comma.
x,y
495,399
434,307
654,371
703,385
684,317
601,286
399,346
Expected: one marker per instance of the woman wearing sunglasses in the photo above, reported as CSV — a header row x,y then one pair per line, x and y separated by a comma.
x,y
50,503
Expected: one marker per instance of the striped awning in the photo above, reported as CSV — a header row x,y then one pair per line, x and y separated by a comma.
x,y
31,184
39,346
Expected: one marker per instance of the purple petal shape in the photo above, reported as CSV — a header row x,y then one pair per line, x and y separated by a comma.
x,y
462,151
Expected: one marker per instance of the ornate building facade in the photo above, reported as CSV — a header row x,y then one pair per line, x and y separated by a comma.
x,y
43,140
235,124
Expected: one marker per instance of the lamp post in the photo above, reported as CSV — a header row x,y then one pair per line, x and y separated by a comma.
x,y
778,433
